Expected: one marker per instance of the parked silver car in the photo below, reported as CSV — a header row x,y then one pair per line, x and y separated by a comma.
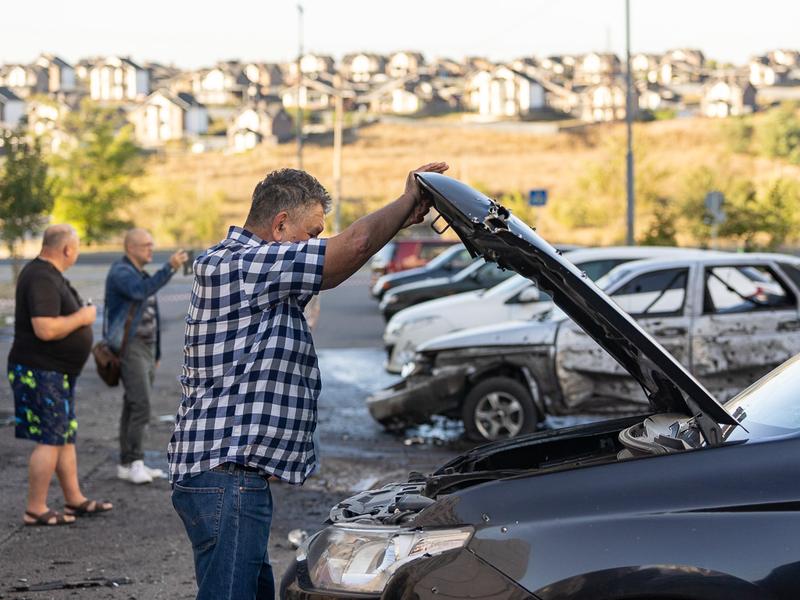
x,y
728,318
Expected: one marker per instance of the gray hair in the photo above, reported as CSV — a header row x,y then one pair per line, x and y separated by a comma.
x,y
56,236
285,190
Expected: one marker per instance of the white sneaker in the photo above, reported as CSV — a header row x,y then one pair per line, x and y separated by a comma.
x,y
155,473
135,473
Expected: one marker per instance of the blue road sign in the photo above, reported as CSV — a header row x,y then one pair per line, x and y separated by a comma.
x,y
537,197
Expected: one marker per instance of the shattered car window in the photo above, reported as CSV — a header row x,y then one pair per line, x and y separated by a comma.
x,y
656,293
770,407
743,289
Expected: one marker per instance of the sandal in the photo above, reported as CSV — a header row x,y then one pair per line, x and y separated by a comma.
x,y
88,508
44,519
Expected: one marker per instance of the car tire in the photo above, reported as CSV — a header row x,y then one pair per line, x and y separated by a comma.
x,y
498,408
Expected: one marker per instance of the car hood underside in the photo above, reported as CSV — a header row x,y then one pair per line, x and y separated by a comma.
x,y
489,230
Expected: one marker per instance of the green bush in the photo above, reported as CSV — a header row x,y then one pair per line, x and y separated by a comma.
x,y
779,134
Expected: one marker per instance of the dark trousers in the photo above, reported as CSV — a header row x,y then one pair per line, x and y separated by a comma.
x,y
227,514
137,371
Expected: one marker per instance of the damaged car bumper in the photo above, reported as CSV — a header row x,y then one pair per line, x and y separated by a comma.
x,y
415,399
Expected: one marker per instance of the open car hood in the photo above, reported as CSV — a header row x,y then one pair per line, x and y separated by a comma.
x,y
489,230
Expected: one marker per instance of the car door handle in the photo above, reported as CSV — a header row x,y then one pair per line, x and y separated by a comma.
x,y
668,331
792,325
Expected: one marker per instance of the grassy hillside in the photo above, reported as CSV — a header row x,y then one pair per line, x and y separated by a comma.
x,y
196,196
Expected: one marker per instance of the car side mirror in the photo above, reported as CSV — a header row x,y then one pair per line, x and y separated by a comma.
x,y
529,294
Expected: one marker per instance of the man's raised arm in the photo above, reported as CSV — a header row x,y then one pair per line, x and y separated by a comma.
x,y
347,252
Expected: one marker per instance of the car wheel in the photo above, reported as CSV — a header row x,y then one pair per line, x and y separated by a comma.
x,y
498,408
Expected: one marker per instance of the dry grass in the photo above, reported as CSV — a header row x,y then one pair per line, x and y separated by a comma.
x,y
375,164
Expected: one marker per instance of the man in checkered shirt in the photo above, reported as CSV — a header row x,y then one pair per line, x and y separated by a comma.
x,y
250,378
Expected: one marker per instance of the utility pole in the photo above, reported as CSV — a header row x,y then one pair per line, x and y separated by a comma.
x,y
299,86
630,240
338,118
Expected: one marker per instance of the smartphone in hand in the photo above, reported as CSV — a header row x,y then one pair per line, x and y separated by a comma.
x,y
187,266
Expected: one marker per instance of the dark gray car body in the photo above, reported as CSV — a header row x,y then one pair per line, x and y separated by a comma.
x,y
709,513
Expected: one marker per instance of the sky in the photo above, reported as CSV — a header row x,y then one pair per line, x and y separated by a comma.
x,y
202,32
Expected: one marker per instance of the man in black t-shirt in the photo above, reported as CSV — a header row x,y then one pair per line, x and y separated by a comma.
x,y
52,340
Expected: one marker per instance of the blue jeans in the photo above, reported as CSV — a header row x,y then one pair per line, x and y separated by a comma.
x,y
227,515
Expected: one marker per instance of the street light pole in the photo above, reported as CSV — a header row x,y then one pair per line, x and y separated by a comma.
x,y
299,86
338,117
629,109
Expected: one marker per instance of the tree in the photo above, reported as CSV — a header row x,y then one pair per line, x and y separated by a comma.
x,y
597,197
779,134
754,218
662,228
26,192
738,133
97,172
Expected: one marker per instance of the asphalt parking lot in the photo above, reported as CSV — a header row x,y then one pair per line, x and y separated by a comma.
x,y
141,544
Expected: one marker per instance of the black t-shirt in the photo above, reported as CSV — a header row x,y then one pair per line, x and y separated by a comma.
x,y
42,291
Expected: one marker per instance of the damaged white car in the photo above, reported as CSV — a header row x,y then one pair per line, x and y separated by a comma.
x,y
516,299
728,318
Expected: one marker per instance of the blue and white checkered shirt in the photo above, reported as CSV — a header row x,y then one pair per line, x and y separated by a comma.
x,y
250,377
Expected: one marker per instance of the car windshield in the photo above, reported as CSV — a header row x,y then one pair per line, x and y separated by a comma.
x,y
768,408
456,254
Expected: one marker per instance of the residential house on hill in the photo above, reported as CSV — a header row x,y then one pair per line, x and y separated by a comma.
x,y
690,56
262,123
404,63
265,75
224,84
165,117
557,68
364,67
646,66
765,73
59,74
12,109
654,96
162,76
596,67
505,92
118,79
605,101
409,96
316,93
785,58
311,65
682,65
728,97
24,80
446,68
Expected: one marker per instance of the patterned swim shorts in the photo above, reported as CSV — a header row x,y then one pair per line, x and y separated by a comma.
x,y
44,407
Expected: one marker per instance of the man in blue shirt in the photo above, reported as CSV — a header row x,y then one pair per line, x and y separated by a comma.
x,y
250,379
132,329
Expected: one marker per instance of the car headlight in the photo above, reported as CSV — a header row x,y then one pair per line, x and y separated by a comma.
x,y
363,559
390,299
407,369
396,326
393,329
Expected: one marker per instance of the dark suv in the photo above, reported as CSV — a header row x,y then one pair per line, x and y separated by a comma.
x,y
694,501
